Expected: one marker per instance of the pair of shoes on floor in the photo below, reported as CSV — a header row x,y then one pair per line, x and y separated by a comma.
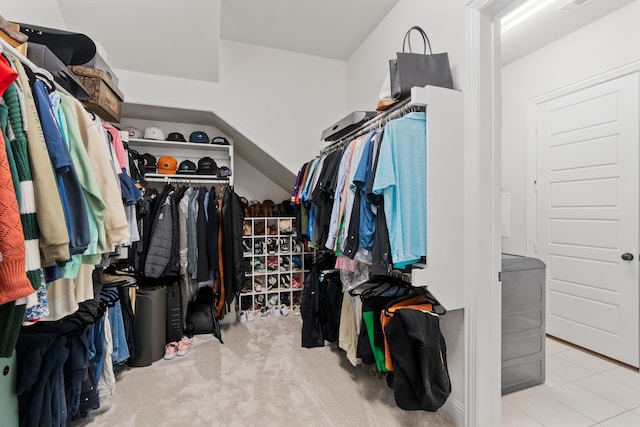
x,y
245,316
295,310
279,311
177,348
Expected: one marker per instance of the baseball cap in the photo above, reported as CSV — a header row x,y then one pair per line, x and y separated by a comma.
x,y
207,166
176,136
134,133
187,167
220,140
149,163
167,164
224,172
153,132
199,136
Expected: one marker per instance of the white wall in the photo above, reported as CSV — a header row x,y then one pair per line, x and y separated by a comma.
x,y
444,21
279,100
45,13
249,182
598,47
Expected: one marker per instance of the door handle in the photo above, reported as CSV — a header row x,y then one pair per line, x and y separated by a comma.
x,y
627,256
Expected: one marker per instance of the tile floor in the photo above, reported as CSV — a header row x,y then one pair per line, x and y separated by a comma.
x,y
580,390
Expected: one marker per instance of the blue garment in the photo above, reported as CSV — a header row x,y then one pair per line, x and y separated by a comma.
x,y
367,216
96,347
307,186
130,192
73,201
401,178
120,347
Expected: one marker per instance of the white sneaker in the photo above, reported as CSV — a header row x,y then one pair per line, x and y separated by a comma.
x,y
241,316
275,311
250,316
284,310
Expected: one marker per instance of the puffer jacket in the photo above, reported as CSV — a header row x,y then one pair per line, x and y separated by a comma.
x,y
160,243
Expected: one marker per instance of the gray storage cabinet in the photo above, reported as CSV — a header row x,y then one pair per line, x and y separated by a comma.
x,y
523,322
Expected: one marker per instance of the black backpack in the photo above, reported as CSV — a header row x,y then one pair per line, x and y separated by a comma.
x,y
201,317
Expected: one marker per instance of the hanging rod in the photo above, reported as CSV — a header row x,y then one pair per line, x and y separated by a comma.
x,y
6,47
168,179
398,110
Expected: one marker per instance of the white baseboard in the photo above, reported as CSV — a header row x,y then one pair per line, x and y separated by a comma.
x,y
454,410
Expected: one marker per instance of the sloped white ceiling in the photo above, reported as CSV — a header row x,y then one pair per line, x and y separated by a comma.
x,y
328,28
551,24
171,38
181,39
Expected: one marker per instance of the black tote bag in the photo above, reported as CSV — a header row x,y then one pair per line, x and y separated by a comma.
x,y
410,69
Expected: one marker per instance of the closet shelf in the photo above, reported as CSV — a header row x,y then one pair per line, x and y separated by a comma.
x,y
176,144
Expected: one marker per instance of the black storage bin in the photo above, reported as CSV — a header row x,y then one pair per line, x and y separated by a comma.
x,y
523,322
150,321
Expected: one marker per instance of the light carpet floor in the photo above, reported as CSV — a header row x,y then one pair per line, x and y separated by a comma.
x,y
260,376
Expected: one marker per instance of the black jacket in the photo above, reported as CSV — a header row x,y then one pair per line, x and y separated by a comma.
x,y
232,253
310,304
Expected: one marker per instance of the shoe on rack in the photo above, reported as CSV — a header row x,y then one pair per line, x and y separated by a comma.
x,y
257,287
296,248
170,350
285,226
241,316
296,261
246,288
246,247
284,282
258,247
272,264
272,282
273,300
258,266
284,263
296,283
246,229
271,245
284,244
183,346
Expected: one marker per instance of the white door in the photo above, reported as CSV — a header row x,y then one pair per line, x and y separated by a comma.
x,y
587,216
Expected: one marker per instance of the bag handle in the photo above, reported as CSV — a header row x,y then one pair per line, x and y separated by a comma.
x,y
425,40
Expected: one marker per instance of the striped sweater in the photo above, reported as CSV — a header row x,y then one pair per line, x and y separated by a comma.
x,y
27,201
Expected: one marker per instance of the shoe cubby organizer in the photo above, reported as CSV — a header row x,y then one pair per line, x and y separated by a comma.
x,y
275,263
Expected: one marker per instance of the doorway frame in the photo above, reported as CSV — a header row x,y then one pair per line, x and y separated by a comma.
x,y
482,254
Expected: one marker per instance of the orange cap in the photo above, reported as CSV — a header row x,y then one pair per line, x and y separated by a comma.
x,y
167,164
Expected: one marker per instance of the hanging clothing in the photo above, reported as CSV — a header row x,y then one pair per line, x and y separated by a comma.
x,y
73,201
54,236
401,180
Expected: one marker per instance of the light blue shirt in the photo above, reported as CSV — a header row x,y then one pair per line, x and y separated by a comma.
x,y
401,178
